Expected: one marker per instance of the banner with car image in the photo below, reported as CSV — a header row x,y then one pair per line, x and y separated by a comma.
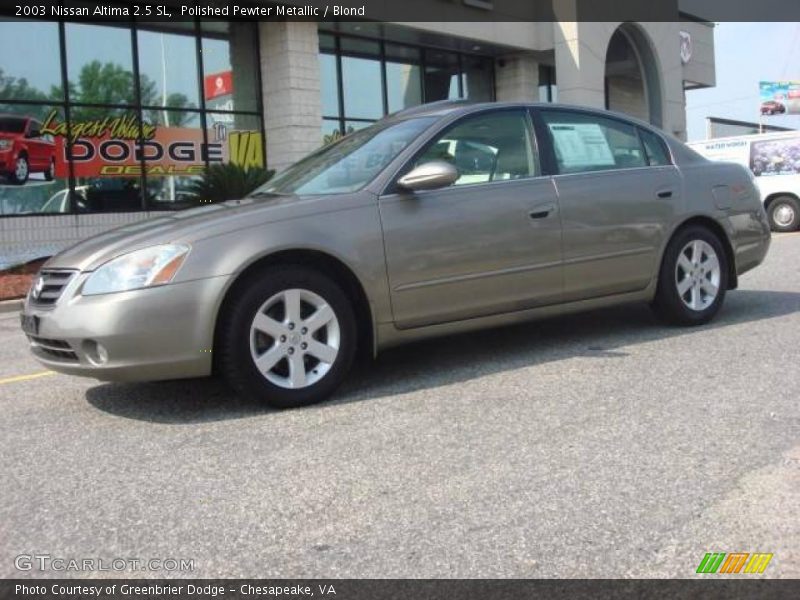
x,y
124,146
779,97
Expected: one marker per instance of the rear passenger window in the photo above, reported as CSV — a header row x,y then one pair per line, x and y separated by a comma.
x,y
583,142
654,148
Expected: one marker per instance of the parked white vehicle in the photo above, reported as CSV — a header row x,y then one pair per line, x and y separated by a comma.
x,y
774,159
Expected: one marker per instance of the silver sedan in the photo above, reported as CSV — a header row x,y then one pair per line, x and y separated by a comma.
x,y
440,219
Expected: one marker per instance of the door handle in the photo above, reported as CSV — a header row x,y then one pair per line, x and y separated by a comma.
x,y
542,212
664,194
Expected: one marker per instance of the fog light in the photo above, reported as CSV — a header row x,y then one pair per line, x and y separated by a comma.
x,y
95,352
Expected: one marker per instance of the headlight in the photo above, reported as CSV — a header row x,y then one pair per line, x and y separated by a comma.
x,y
5,144
140,269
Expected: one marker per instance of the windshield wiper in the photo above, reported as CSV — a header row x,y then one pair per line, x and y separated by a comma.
x,y
265,194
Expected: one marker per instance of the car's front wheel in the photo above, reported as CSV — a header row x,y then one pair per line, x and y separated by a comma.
x,y
288,337
693,278
21,170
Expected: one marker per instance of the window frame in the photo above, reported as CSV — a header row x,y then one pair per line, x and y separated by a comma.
x,y
391,187
549,161
660,141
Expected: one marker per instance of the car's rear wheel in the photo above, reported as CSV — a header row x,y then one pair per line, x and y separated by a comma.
x,y
288,338
784,214
21,170
693,278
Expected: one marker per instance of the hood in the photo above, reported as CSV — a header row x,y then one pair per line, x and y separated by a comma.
x,y
185,226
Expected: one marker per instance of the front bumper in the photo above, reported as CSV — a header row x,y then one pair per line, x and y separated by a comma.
x,y
155,333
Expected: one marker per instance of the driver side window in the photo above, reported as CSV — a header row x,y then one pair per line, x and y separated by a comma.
x,y
490,147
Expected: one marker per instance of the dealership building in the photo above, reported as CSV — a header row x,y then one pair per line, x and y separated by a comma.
x,y
117,120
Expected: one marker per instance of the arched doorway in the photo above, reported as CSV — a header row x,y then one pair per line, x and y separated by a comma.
x,y
632,80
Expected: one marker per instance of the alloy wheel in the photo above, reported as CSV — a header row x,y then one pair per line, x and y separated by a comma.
x,y
698,275
294,338
21,169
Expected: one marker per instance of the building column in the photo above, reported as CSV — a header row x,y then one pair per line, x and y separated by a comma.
x,y
290,90
580,50
516,78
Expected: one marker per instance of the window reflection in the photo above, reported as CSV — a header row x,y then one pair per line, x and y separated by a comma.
x,y
37,74
168,69
361,83
377,78
100,71
128,156
230,69
441,76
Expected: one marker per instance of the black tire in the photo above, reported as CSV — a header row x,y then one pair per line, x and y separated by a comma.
x,y
779,208
232,345
49,174
668,304
13,174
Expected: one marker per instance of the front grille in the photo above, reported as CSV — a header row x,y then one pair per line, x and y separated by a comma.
x,y
52,349
49,285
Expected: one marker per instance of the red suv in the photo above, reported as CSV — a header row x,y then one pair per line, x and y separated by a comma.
x,y
772,107
24,150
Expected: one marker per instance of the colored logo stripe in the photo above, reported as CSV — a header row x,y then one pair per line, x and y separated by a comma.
x,y
734,562
713,562
758,562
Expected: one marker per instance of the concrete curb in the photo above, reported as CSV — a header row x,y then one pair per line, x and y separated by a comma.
x,y
10,306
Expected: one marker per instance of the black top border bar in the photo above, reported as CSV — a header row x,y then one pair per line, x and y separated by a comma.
x,y
408,10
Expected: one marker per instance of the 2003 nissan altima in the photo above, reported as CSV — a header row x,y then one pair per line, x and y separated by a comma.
x,y
439,219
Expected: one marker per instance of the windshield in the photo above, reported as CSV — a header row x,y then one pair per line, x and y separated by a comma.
x,y
12,125
349,164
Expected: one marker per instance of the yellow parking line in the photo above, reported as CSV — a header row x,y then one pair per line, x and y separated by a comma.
x,y
17,378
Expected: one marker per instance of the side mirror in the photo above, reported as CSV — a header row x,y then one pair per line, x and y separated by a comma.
x,y
429,176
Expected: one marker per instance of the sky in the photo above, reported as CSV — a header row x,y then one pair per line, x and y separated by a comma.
x,y
746,53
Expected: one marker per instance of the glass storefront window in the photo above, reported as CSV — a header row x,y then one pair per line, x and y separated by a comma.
x,y
329,86
441,76
168,69
330,131
108,176
35,73
125,155
477,80
361,83
100,64
33,175
180,141
236,139
403,86
378,78
230,66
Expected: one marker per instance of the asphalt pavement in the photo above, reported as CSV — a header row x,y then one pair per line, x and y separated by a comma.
x,y
599,445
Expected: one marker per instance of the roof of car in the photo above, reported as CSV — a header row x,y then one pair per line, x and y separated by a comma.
x,y
445,107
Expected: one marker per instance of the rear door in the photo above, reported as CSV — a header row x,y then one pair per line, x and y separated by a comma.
x,y
490,243
616,200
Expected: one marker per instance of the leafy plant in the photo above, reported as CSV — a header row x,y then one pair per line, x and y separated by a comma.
x,y
229,181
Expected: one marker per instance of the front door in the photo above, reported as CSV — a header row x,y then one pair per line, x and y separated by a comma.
x,y
488,244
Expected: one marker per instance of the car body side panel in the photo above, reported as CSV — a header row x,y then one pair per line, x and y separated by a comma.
x,y
472,250
615,225
350,235
726,193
